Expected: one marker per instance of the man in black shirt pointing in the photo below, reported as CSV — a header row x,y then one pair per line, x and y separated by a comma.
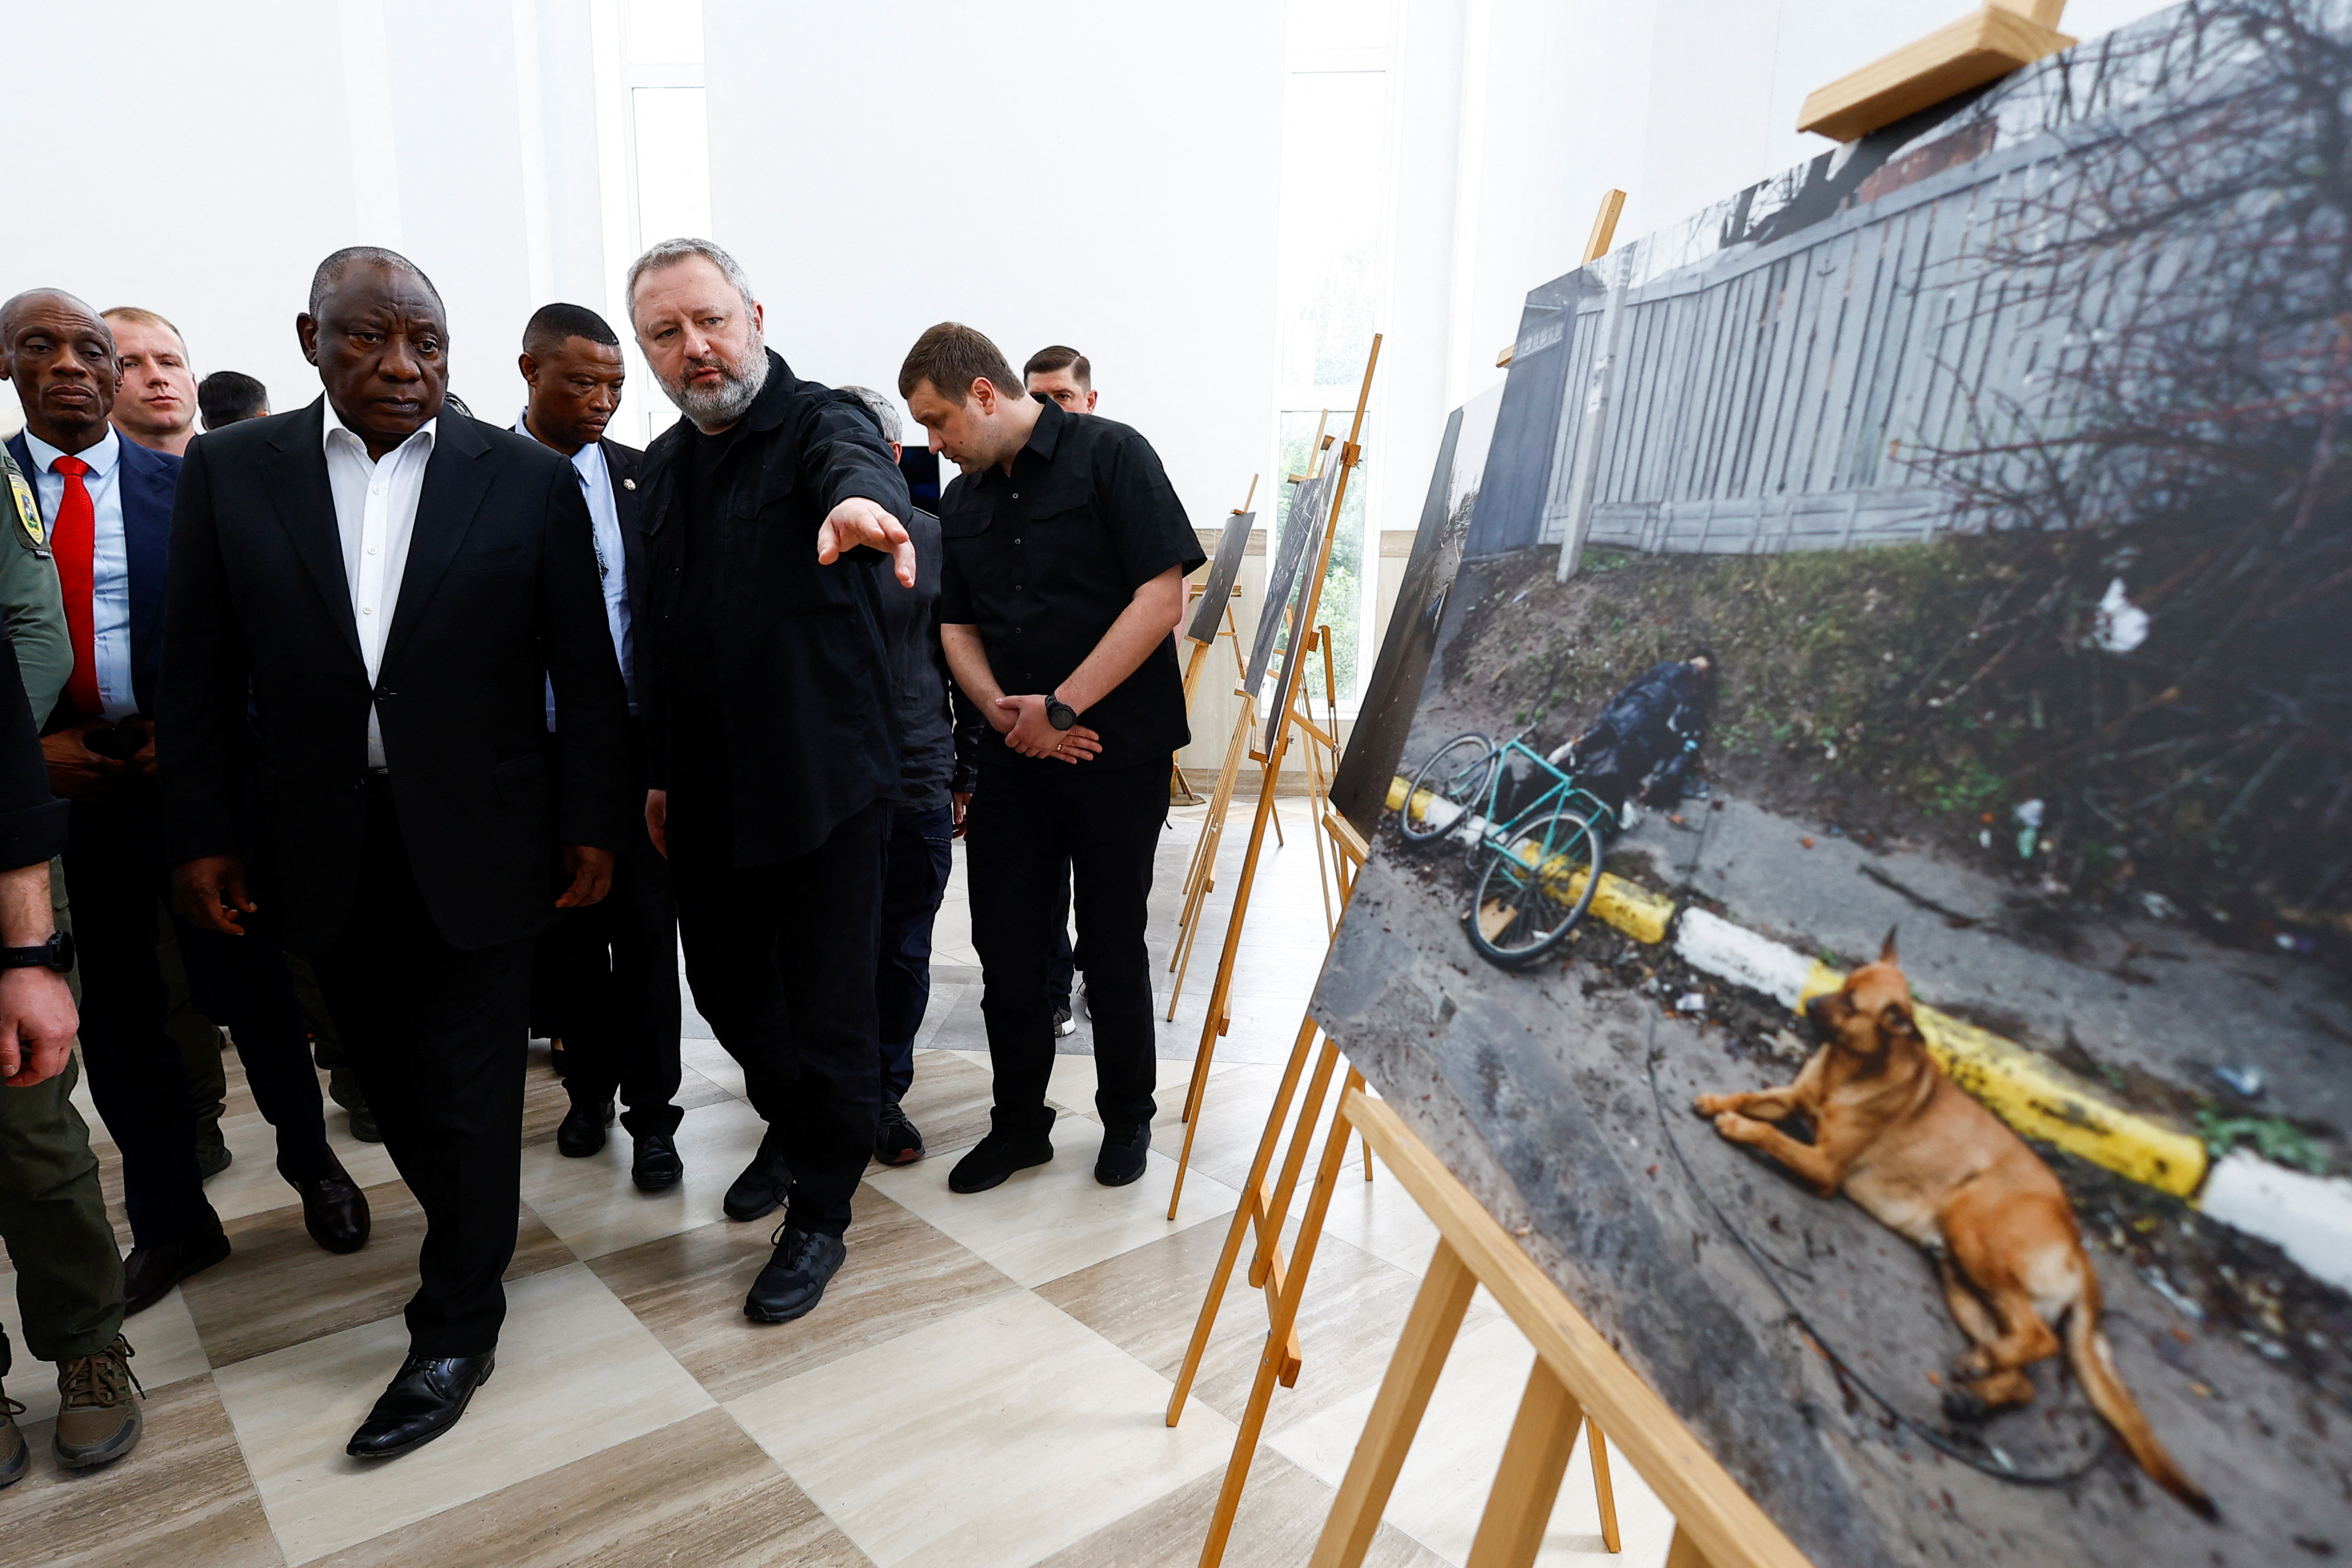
x,y
773,738
1067,552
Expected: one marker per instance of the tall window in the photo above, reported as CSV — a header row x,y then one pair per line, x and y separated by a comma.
x,y
658,187
1333,285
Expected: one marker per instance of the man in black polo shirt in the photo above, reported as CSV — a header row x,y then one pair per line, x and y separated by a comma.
x,y
1067,552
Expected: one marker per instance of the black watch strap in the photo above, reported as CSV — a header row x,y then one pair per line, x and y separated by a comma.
x,y
1060,715
57,954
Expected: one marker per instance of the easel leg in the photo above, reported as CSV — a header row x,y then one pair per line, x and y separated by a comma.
x,y
1397,1411
1278,1204
1527,1483
1602,1492
1290,1287
1368,1159
1275,1120
1685,1553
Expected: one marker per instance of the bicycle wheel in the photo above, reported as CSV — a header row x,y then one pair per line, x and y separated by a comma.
x,y
1451,782
1536,889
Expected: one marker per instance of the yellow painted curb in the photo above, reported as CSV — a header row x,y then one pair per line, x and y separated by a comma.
x,y
2032,1094
2042,1101
1629,906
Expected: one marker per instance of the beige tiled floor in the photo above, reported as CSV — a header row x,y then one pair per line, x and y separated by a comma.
x,y
984,1387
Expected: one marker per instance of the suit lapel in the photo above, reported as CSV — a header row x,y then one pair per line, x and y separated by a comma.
x,y
294,476
621,467
148,482
457,477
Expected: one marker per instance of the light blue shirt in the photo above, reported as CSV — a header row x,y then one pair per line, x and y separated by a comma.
x,y
612,558
109,560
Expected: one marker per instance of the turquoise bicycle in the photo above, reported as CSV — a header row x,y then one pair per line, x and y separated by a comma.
x,y
1541,837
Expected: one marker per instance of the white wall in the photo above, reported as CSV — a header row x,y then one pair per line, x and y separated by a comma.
x,y
1103,176
233,147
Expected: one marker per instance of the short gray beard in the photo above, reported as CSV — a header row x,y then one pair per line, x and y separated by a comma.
x,y
718,410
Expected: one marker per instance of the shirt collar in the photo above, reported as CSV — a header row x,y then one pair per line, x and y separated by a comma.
x,y
1047,435
585,462
424,438
101,458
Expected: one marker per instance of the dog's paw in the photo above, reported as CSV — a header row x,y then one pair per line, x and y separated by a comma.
x,y
1715,1104
1736,1127
1961,1404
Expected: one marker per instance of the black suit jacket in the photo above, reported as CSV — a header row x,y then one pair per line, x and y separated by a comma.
x,y
627,465
497,598
145,486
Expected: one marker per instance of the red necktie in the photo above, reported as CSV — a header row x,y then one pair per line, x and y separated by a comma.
x,y
73,539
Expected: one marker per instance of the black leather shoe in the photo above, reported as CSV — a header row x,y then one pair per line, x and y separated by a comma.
x,y
424,1400
760,1189
581,1132
150,1272
334,1211
996,1157
1121,1160
896,1141
794,1280
656,1167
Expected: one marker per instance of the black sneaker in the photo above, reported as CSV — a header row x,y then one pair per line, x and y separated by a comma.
x,y
581,1132
896,1141
760,1189
343,1089
655,1167
1121,1160
212,1154
1064,1026
794,1282
997,1156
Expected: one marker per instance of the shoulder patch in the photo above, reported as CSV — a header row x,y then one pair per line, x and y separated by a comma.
x,y
28,514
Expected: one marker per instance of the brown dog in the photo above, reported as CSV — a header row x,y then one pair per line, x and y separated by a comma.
x,y
1929,1162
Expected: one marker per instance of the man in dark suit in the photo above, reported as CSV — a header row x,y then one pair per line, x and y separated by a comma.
x,y
772,735
106,506
607,974
394,588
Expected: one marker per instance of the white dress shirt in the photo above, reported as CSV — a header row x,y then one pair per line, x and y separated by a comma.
x,y
110,561
375,512
611,556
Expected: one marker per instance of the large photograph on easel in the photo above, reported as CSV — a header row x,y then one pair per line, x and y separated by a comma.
x,y
1883,918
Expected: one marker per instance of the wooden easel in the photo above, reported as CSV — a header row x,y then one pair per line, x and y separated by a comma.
x,y
1219,1017
1262,1211
1198,658
1576,1380
1201,875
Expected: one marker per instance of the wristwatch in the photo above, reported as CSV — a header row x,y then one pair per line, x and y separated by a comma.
x,y
1060,715
57,954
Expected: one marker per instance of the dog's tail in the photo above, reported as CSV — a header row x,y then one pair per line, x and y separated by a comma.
x,y
2095,1363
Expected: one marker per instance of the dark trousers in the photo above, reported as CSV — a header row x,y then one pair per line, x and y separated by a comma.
x,y
776,955
117,879
53,1218
917,860
437,1033
607,976
1062,973
1022,824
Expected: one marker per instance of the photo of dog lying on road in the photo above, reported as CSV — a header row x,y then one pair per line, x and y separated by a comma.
x,y
1900,1138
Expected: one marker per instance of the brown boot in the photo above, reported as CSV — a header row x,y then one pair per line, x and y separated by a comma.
x,y
98,1407
15,1454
